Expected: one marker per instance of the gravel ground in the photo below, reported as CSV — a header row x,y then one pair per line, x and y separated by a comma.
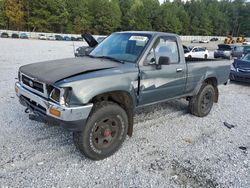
x,y
169,148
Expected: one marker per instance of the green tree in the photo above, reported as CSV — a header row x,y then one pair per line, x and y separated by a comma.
x,y
48,15
3,18
15,13
106,16
80,18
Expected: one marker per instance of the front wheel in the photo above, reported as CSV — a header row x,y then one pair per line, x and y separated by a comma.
x,y
104,133
201,104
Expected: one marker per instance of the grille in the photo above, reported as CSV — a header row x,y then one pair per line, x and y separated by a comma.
x,y
32,84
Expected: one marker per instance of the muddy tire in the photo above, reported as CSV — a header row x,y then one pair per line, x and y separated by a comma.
x,y
201,104
104,132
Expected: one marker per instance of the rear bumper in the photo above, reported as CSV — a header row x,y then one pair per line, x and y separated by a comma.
x,y
220,55
72,118
240,77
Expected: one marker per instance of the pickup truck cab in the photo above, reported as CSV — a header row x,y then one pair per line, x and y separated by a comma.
x,y
95,96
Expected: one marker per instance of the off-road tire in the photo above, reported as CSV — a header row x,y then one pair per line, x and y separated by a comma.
x,y
197,105
85,140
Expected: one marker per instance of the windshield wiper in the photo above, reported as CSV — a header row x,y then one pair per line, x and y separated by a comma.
x,y
108,57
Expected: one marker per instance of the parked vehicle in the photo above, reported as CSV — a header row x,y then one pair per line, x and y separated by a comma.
x,y
195,41
51,37
4,35
96,95
247,42
100,39
229,40
67,38
240,69
204,41
14,36
79,39
196,52
228,51
246,49
59,37
85,50
73,38
23,36
42,37
240,39
214,39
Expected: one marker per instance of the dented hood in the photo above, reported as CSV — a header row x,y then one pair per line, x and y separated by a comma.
x,y
52,71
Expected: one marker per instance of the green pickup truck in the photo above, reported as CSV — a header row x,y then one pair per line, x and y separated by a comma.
x,y
95,96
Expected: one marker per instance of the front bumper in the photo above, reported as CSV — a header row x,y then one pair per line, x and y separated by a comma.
x,y
72,118
239,76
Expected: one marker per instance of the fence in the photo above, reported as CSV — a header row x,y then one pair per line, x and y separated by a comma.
x,y
35,35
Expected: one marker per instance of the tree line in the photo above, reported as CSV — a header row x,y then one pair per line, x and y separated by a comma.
x,y
195,17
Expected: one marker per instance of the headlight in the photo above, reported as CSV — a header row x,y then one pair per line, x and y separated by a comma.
x,y
60,95
233,68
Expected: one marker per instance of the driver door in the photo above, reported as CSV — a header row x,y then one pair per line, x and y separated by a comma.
x,y
162,82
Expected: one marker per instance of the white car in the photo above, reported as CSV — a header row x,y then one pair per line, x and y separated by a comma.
x,y
204,41
247,42
42,37
51,37
196,52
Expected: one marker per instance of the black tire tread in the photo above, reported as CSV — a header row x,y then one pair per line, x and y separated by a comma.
x,y
78,136
194,101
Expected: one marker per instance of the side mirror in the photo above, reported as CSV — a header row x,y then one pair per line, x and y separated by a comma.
x,y
152,61
163,60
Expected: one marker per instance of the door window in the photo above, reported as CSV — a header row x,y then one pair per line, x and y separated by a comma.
x,y
165,47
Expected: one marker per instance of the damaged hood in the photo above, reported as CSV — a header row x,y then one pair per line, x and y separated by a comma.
x,y
52,71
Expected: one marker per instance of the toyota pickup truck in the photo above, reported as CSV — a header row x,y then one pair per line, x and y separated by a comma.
x,y
95,96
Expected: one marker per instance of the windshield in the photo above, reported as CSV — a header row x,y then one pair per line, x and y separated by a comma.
x,y
224,47
246,58
122,46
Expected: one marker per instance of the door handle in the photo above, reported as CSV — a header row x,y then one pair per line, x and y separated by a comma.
x,y
179,70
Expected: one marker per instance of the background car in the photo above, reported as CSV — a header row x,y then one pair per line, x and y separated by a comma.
x,y
4,35
73,38
214,39
100,39
196,52
204,41
79,39
23,36
51,37
228,51
240,69
58,37
246,49
247,42
85,50
42,37
67,38
14,36
195,41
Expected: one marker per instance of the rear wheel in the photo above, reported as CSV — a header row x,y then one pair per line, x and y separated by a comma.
x,y
189,57
201,104
104,133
